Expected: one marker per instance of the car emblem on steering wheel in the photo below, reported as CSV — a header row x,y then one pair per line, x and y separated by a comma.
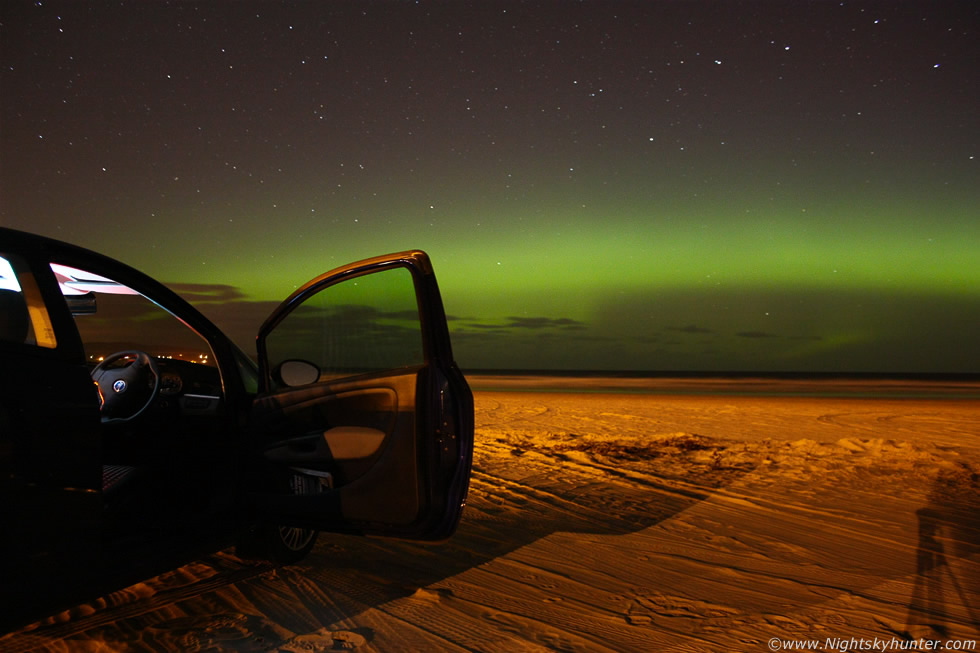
x,y
119,386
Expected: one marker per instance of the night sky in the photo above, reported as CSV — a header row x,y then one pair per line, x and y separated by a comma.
x,y
686,186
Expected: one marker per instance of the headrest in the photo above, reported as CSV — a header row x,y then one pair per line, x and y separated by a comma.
x,y
13,316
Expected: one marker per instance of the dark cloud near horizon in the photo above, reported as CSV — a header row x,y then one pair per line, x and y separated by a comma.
x,y
532,323
488,327
797,328
690,328
207,292
545,323
755,334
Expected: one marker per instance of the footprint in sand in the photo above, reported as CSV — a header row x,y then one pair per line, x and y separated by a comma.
x,y
324,640
646,609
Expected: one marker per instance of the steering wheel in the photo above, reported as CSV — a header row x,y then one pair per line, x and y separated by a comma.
x,y
125,391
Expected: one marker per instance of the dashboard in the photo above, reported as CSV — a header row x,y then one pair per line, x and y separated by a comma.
x,y
183,377
188,388
170,383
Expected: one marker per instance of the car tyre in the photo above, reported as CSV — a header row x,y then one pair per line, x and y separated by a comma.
x,y
288,544
284,545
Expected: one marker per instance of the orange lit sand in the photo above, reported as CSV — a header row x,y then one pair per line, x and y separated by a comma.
x,y
621,522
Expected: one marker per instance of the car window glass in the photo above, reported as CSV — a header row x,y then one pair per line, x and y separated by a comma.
x,y
248,372
112,317
365,324
23,316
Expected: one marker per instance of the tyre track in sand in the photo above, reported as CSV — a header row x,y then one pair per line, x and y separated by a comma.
x,y
131,603
600,523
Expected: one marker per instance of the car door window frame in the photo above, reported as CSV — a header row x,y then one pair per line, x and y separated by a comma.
x,y
435,343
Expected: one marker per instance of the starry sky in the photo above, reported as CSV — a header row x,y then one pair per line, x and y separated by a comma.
x,y
650,186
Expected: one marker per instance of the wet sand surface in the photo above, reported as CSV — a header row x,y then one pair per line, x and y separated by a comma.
x,y
620,522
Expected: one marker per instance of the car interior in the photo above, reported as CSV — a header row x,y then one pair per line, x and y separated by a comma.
x,y
167,457
160,398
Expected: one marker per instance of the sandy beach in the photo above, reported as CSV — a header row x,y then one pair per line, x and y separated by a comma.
x,y
622,522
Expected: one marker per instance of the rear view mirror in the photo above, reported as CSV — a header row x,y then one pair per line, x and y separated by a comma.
x,y
83,304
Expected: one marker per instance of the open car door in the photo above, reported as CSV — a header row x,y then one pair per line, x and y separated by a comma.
x,y
363,420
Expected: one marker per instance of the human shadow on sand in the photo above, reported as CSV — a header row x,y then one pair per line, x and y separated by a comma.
x,y
947,585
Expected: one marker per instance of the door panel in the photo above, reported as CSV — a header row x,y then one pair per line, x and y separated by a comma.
x,y
360,433
386,425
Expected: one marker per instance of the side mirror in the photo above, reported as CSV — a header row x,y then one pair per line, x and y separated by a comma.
x,y
298,372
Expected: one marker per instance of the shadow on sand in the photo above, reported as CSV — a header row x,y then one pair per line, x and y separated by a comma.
x,y
228,603
947,587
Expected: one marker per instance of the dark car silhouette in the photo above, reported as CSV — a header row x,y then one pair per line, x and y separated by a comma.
x,y
134,433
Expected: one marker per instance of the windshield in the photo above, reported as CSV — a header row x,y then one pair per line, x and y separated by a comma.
x,y
113,317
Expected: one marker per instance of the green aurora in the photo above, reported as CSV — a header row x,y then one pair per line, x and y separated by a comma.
x,y
659,187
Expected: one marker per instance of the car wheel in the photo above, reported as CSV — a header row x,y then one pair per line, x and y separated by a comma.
x,y
288,544
284,545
